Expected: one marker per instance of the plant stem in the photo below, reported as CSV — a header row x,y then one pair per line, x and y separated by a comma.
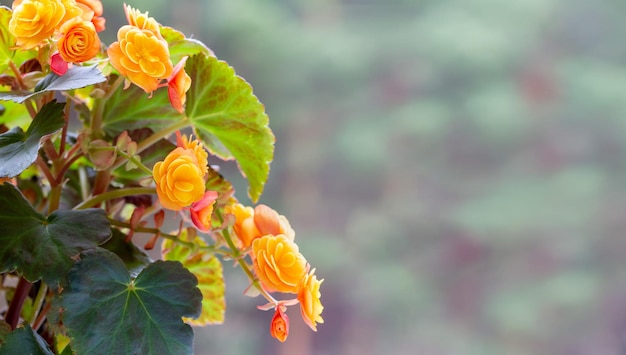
x,y
139,164
66,117
96,118
155,137
236,254
54,197
41,296
115,194
15,308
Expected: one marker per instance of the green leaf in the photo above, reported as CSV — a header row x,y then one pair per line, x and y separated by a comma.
x,y
107,312
45,248
229,119
180,46
5,329
18,149
208,269
153,112
76,77
7,41
25,341
134,258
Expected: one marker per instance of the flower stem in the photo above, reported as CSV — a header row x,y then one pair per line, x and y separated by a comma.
x,y
41,295
236,254
95,200
15,308
148,142
139,164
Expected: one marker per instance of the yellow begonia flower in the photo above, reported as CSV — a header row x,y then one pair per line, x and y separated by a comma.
x,y
142,21
201,154
309,296
34,21
278,263
141,57
179,180
79,41
94,6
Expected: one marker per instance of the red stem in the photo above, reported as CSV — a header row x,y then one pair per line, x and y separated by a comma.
x,y
15,308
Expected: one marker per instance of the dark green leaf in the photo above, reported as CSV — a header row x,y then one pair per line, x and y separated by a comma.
x,y
18,149
5,329
107,312
229,119
180,46
25,341
45,248
152,112
134,258
76,77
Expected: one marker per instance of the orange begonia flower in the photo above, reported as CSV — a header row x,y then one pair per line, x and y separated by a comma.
x,y
202,210
140,56
79,41
34,21
279,327
251,224
142,21
177,85
178,178
201,154
309,296
96,7
278,263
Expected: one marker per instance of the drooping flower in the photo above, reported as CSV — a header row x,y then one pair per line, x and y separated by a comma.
x,y
179,180
278,263
94,6
251,224
34,21
201,154
79,41
309,296
202,210
279,327
177,85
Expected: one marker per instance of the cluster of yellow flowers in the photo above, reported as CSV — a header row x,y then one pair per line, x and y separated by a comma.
x,y
71,26
278,264
262,233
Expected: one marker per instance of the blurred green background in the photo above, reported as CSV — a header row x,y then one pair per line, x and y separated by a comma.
x,y
455,170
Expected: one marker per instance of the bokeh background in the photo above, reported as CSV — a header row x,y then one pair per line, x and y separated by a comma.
x,y
455,169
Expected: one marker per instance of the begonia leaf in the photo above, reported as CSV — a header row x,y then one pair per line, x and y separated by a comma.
x,y
229,119
7,43
18,149
108,312
45,248
24,341
153,112
208,269
180,46
76,77
134,258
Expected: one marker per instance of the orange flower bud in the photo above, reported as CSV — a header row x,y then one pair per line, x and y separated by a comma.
x,y
279,327
177,85
34,21
178,178
244,227
309,296
94,6
140,56
201,154
278,263
202,210
79,41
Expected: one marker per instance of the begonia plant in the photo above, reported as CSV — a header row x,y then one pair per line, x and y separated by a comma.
x,y
101,145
